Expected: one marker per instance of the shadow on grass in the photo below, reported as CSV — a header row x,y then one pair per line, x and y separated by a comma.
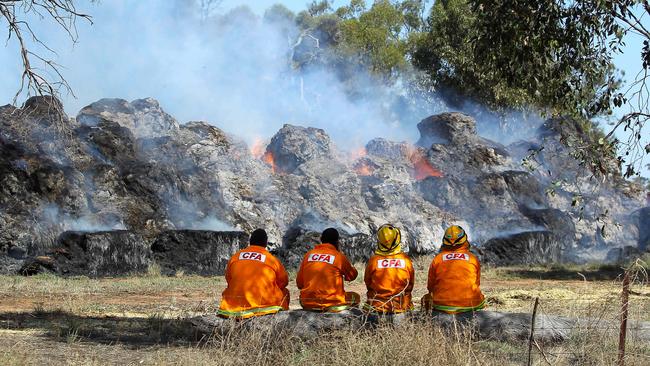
x,y
602,273
128,331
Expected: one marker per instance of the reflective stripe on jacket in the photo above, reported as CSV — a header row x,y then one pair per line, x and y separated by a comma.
x,y
454,281
389,280
458,309
257,284
320,277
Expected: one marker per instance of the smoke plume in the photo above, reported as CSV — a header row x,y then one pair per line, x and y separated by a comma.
x,y
234,70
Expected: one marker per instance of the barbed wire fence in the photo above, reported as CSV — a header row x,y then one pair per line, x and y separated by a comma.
x,y
611,329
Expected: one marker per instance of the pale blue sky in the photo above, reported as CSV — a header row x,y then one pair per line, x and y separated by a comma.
x,y
260,5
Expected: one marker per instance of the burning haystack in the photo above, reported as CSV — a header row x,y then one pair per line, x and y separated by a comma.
x,y
130,166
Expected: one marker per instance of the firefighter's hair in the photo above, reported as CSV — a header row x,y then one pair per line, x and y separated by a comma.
x,y
330,236
259,237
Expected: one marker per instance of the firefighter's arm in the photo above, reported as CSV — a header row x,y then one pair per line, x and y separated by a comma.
x,y
228,267
367,277
282,278
478,273
431,278
299,277
349,272
409,288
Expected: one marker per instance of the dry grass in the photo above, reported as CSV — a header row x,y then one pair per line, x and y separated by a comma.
x,y
408,343
131,296
140,320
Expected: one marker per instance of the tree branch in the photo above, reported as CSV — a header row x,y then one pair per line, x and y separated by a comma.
x,y
63,13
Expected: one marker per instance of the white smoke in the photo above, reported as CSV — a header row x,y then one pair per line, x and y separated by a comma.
x,y
213,224
234,72
53,215
186,213
505,127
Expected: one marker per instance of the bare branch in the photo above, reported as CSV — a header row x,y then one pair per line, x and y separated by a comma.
x,y
637,94
34,80
206,7
626,119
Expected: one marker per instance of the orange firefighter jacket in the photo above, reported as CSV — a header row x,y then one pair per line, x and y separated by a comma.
x,y
320,278
454,281
389,280
257,284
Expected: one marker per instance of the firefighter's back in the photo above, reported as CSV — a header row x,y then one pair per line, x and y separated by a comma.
x,y
456,279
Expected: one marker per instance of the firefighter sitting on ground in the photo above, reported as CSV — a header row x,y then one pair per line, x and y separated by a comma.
x,y
321,274
257,282
454,276
389,274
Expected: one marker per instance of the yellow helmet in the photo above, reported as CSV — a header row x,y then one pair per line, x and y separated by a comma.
x,y
388,238
454,235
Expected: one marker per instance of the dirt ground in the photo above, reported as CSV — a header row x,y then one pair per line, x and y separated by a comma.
x,y
140,320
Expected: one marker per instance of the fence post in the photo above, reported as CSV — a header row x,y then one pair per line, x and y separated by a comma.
x,y
623,332
531,338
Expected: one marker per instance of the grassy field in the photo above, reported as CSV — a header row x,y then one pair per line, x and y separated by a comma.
x,y
141,320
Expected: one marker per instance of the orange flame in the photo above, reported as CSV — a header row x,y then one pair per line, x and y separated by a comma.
x,y
257,149
422,168
364,169
269,159
358,153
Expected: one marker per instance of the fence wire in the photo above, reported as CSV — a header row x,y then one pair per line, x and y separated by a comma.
x,y
595,336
